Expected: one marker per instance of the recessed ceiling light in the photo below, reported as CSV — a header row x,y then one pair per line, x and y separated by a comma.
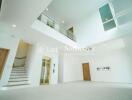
x,y
63,21
13,25
46,9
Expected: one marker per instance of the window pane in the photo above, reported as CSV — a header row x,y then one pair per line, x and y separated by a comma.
x,y
109,25
105,13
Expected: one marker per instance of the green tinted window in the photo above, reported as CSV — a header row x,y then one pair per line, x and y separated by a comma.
x,y
109,25
105,13
107,17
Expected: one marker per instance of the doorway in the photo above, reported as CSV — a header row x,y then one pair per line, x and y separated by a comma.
x,y
3,57
21,54
86,72
45,71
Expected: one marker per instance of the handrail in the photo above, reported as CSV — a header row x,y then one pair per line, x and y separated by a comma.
x,y
55,22
19,58
49,17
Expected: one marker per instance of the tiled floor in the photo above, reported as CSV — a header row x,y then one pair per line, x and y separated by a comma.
x,y
71,91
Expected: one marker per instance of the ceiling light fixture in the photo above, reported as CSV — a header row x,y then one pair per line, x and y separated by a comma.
x,y
46,9
63,21
14,26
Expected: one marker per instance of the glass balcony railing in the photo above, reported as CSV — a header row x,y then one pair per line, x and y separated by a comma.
x,y
56,26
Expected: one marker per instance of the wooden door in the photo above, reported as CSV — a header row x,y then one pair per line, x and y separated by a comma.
x,y
86,72
3,56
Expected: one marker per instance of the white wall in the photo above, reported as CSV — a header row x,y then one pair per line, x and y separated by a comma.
x,y
34,64
11,43
72,70
22,49
128,49
90,31
60,68
21,52
70,67
115,53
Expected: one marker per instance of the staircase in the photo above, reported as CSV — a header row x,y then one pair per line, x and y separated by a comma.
x,y
18,78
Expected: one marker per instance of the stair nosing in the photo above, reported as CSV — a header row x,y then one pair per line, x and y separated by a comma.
x,y
17,77
16,85
18,74
18,81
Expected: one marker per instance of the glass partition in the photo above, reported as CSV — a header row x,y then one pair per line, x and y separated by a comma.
x,y
56,26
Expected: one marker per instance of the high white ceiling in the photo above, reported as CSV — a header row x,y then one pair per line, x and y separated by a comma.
x,y
72,11
23,13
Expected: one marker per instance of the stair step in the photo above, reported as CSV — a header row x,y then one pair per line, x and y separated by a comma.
x,y
18,74
16,85
19,67
15,72
16,77
13,75
19,82
18,70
